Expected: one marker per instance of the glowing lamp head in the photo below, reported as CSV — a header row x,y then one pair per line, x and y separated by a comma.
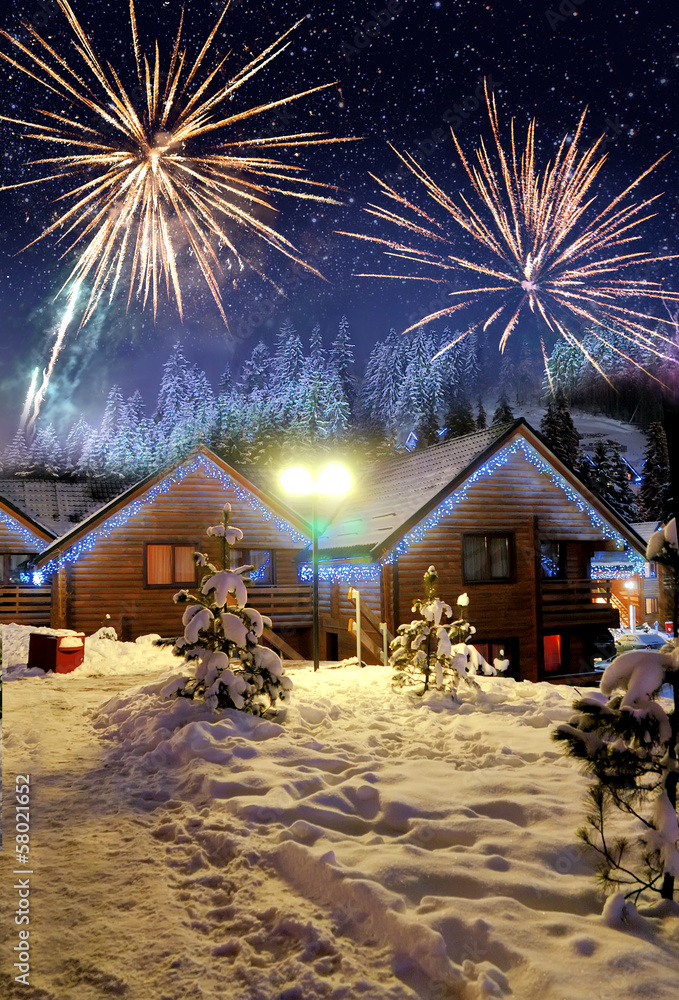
x,y
334,480
297,480
630,584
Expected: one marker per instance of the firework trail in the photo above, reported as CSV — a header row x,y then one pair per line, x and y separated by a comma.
x,y
154,178
537,249
39,396
30,395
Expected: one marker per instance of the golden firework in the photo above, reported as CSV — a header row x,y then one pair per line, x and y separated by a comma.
x,y
543,245
146,183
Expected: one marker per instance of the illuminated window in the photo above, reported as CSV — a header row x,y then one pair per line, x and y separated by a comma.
x,y
553,560
487,558
169,565
651,605
14,567
552,651
261,559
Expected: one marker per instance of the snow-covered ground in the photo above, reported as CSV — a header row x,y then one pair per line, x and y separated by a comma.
x,y
367,844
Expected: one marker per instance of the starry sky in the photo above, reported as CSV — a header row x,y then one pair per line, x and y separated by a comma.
x,y
403,73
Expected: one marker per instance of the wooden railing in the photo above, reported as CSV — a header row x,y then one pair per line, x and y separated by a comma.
x,y
25,605
287,606
577,602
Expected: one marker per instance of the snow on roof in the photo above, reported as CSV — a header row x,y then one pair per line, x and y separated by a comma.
x,y
645,528
59,504
395,488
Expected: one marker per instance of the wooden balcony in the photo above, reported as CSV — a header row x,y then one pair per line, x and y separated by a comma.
x,y
286,606
25,605
568,603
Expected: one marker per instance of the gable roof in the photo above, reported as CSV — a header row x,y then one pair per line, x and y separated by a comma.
x,y
97,520
395,489
18,520
58,504
400,491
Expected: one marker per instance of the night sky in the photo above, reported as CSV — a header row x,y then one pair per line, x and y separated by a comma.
x,y
423,66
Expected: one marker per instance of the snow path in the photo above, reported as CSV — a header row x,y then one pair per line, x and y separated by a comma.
x,y
373,845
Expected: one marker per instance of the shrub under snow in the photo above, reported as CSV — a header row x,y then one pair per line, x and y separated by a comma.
x,y
223,635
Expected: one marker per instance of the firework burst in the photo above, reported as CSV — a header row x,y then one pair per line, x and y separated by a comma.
x,y
168,172
538,243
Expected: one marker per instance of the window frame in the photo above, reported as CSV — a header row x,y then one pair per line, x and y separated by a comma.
x,y
5,569
245,561
562,559
175,583
511,577
653,610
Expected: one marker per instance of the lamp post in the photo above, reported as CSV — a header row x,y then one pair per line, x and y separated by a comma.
x,y
630,586
333,480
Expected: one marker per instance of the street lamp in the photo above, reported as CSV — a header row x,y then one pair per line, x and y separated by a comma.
x,y
333,480
630,585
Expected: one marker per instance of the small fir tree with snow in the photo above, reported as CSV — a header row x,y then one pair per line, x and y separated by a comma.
x,y
233,670
627,742
430,653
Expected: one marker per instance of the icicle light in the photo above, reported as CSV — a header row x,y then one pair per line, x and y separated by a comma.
x,y
201,465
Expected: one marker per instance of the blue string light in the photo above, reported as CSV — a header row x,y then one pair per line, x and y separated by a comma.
x,y
634,561
340,572
199,464
28,536
348,573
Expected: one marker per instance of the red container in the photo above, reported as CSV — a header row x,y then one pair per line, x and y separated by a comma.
x,y
70,652
61,653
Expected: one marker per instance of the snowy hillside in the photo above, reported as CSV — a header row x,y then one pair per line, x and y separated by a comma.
x,y
368,844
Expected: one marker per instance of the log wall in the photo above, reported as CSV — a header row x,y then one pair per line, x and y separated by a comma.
x,y
21,604
110,579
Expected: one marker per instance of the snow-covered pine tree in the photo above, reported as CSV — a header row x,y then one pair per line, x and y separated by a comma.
x,y
628,742
503,411
459,417
256,370
654,495
560,432
564,367
341,359
481,419
44,455
16,455
421,393
609,477
76,441
428,653
233,670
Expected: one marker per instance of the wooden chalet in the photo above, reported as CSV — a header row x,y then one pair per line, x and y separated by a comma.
x,y
34,511
22,537
502,519
495,511
128,558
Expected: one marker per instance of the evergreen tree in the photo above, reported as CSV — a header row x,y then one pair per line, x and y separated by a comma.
x,y
225,380
628,744
223,635
654,495
45,455
341,360
459,419
256,370
16,456
78,436
481,420
503,412
560,432
420,399
609,477
433,654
